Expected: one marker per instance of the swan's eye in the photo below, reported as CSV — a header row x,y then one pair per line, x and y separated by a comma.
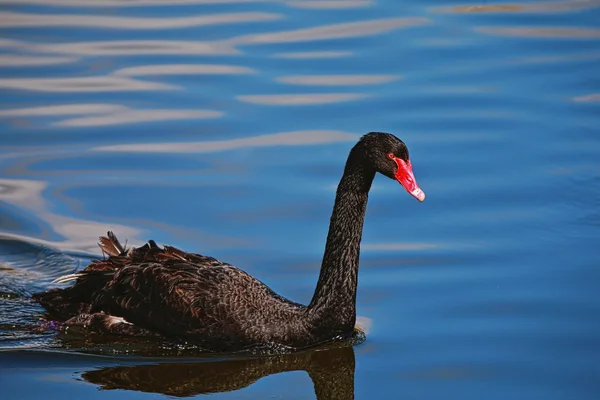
x,y
391,156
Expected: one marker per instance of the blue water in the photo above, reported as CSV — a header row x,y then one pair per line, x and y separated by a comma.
x,y
222,127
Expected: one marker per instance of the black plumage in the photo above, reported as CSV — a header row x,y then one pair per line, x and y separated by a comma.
x,y
168,292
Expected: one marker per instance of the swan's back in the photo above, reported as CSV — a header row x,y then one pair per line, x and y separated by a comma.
x,y
66,303
176,294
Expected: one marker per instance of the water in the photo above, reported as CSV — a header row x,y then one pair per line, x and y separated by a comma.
x,y
222,127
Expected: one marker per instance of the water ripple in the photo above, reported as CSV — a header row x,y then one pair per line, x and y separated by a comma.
x,y
558,32
84,84
300,99
139,116
315,4
13,20
333,31
14,60
184,69
276,139
588,98
331,4
77,234
524,7
313,54
337,80
124,47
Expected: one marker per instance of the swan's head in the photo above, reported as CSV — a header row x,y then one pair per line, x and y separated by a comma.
x,y
389,156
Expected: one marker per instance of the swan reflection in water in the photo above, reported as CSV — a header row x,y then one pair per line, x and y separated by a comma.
x,y
330,369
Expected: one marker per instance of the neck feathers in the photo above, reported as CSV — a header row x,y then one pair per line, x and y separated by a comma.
x,y
334,302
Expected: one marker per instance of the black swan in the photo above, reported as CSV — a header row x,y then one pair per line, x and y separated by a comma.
x,y
170,293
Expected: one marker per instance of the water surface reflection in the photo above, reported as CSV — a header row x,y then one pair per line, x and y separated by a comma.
x,y
331,371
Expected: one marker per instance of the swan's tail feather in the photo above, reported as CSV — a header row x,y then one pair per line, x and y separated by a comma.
x,y
110,245
68,278
86,275
172,252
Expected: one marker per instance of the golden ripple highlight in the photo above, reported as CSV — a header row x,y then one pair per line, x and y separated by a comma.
x,y
481,8
91,115
125,3
129,47
333,31
538,7
313,54
124,47
184,69
316,4
14,60
140,47
588,98
555,58
219,47
63,109
93,84
558,32
300,99
337,80
14,19
296,138
11,44
330,4
139,116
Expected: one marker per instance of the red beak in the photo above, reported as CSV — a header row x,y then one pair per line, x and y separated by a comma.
x,y
405,176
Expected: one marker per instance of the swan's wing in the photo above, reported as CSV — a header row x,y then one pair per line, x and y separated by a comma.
x,y
119,256
91,281
182,299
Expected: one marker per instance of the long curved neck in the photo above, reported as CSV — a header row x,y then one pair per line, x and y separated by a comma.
x,y
334,301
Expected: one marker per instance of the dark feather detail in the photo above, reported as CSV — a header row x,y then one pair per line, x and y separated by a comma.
x,y
175,253
61,304
110,245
